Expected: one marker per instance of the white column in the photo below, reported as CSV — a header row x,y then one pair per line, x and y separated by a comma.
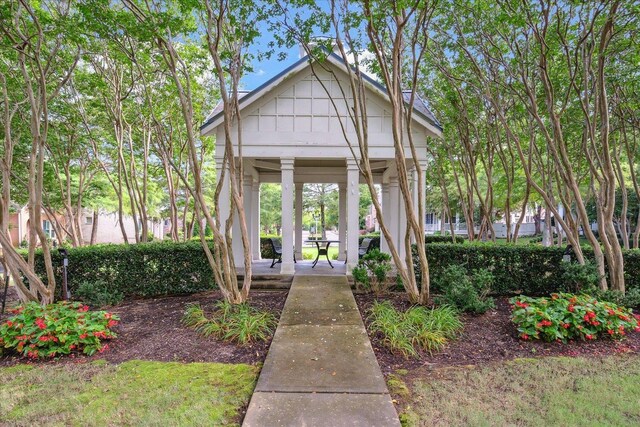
x,y
402,224
236,233
299,221
287,266
384,246
421,195
353,202
255,221
342,222
396,211
224,200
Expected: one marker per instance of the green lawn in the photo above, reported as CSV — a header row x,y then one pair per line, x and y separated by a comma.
x,y
132,393
310,252
531,392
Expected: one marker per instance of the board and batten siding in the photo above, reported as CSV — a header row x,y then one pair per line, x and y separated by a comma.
x,y
298,118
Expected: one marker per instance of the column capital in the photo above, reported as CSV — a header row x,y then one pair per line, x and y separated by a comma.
x,y
287,163
352,164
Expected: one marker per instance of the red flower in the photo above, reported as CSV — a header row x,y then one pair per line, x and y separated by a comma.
x,y
589,336
41,324
524,336
9,323
83,336
611,332
103,348
570,308
522,304
566,325
83,309
544,323
44,338
111,323
100,334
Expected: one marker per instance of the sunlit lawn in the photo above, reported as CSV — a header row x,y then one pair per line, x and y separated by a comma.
x,y
532,392
310,252
133,393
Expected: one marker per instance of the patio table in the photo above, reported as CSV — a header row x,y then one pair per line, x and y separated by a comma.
x,y
322,250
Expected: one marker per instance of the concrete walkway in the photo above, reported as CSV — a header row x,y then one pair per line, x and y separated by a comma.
x,y
320,369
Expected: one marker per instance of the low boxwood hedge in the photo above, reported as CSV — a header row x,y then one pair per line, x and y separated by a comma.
x,y
145,269
532,270
168,268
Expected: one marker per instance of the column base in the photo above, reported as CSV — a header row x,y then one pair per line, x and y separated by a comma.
x,y
287,268
351,266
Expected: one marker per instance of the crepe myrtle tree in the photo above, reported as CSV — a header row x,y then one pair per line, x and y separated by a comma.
x,y
395,33
40,45
230,27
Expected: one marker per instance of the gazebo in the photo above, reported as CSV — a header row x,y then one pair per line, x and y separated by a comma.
x,y
292,135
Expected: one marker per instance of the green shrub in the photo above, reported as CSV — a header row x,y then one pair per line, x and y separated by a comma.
x,y
567,316
528,269
579,278
371,271
415,329
631,299
434,238
57,329
465,292
98,294
144,269
239,323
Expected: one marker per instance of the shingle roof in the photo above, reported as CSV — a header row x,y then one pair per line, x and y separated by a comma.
x,y
420,105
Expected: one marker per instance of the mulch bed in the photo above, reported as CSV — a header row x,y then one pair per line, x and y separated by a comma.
x,y
150,329
487,338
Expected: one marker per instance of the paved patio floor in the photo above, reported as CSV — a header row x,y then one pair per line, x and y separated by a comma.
x,y
321,369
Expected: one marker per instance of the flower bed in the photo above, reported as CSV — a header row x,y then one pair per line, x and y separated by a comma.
x,y
57,329
564,317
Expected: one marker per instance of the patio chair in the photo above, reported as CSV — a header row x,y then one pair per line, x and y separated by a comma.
x,y
276,251
364,248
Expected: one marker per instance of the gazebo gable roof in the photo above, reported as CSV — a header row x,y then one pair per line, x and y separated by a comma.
x,y
422,115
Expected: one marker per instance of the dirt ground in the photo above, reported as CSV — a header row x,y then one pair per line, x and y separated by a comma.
x,y
487,338
150,329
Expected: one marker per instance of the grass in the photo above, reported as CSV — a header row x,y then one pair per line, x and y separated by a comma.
x,y
532,392
239,323
309,253
418,328
133,393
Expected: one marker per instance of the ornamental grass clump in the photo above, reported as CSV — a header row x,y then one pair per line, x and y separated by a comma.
x,y
238,323
56,329
564,316
418,328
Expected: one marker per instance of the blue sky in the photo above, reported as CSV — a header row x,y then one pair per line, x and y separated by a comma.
x,y
267,68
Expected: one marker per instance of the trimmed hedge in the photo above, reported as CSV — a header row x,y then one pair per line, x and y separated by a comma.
x,y
167,268
442,239
144,269
532,270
